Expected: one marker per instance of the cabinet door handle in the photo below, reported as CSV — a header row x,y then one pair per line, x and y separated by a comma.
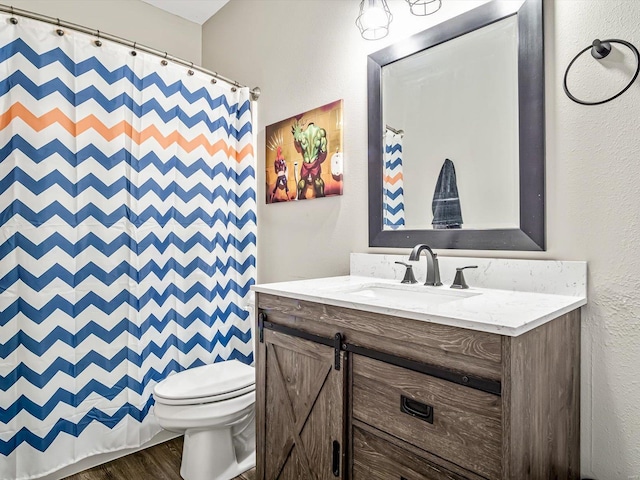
x,y
335,464
416,409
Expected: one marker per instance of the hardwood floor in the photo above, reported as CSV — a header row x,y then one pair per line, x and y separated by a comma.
x,y
161,462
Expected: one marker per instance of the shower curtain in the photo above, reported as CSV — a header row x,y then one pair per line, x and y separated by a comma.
x,y
393,193
127,240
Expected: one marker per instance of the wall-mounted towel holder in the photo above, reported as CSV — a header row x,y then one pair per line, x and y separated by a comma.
x,y
599,50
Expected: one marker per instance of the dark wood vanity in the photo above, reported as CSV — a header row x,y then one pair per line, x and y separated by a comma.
x,y
348,394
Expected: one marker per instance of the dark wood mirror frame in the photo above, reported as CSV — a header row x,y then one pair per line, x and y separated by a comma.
x,y
531,234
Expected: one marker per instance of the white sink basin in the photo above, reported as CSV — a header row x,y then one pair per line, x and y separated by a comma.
x,y
404,294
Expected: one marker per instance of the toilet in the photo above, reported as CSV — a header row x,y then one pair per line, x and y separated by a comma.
x,y
213,406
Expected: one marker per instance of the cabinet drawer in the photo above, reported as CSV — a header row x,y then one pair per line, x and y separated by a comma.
x,y
457,423
376,459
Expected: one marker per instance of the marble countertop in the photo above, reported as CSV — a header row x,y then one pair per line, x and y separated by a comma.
x,y
505,312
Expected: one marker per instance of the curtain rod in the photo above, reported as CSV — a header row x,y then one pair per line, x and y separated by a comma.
x,y
255,92
394,130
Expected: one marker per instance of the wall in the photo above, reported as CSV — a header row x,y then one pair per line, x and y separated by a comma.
x,y
308,53
593,210
130,19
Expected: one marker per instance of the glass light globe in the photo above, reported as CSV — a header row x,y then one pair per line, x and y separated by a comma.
x,y
374,17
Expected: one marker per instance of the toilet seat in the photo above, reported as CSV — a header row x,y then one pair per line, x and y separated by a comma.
x,y
206,384
210,399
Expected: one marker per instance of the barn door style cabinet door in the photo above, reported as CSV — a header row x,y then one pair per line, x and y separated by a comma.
x,y
354,395
300,403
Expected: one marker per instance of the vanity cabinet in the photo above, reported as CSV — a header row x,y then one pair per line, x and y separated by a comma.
x,y
344,393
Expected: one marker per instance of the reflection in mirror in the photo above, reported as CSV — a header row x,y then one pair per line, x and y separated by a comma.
x,y
457,135
456,165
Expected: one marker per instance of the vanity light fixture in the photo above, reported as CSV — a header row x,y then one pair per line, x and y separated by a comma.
x,y
374,19
422,8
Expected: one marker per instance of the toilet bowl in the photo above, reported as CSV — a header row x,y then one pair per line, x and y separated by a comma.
x,y
214,407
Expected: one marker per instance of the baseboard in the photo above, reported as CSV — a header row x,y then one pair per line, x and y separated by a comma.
x,y
95,460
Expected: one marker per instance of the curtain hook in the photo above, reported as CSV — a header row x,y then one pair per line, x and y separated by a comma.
x,y
13,19
164,60
98,43
133,52
59,31
190,72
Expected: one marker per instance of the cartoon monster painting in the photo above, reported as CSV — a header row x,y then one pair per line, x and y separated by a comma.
x,y
301,145
281,189
311,143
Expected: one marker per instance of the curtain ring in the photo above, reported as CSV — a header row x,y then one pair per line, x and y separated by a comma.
x,y
59,31
164,60
133,52
98,43
13,20
190,72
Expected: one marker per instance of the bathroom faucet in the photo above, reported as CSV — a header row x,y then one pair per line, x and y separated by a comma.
x,y
433,270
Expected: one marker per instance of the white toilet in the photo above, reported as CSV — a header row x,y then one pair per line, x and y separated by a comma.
x,y
213,405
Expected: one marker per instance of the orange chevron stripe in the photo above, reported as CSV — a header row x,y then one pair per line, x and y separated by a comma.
x,y
17,110
393,180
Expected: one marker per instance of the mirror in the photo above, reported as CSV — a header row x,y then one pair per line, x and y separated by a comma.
x,y
456,133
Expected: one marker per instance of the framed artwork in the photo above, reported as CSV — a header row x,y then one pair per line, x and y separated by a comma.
x,y
304,158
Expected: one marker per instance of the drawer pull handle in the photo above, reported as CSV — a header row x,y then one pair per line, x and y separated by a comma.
x,y
335,464
416,409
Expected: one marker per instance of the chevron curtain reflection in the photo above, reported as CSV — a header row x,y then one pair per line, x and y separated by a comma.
x,y
393,190
127,240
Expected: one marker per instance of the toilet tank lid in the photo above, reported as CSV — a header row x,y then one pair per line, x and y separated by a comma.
x,y
206,381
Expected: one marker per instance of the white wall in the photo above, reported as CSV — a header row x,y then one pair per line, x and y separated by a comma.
x,y
593,195
308,53
130,19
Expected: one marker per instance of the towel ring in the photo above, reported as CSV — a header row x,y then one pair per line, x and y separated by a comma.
x,y
599,50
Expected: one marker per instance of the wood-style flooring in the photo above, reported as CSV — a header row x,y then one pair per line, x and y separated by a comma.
x,y
161,462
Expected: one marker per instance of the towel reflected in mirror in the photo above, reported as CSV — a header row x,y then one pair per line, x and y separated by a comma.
x,y
447,213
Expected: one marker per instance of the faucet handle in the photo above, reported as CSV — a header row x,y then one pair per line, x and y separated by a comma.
x,y
408,274
458,281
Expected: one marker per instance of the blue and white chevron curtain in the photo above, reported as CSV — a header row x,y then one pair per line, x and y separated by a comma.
x,y
393,192
127,240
